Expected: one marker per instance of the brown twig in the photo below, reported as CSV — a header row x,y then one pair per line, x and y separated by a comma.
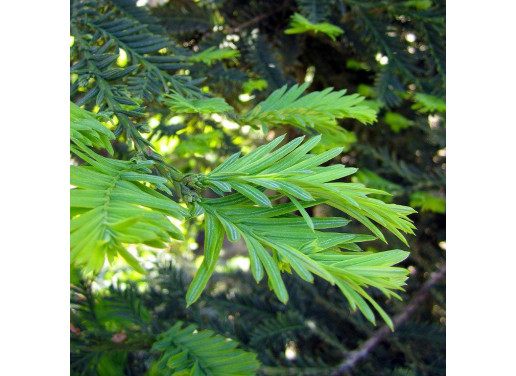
x,y
355,356
254,20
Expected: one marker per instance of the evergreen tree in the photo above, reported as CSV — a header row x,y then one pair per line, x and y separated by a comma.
x,y
209,137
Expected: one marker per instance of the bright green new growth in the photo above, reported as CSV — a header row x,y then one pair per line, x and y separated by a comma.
x,y
178,103
298,176
110,203
86,129
124,61
318,110
397,122
300,24
428,202
203,353
428,103
212,55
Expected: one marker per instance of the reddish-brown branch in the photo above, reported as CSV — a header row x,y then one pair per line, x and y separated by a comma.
x,y
355,356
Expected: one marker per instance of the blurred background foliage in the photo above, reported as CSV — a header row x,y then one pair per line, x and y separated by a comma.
x,y
391,52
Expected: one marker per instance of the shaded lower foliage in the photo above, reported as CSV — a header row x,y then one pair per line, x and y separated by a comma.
x,y
115,328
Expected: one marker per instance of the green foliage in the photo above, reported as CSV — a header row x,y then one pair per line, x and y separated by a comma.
x,y
179,104
261,56
314,320
314,10
296,175
201,353
299,25
373,180
104,327
251,85
372,27
419,4
110,207
428,202
99,35
184,18
278,329
397,122
110,204
317,110
86,129
284,210
202,143
428,103
211,55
